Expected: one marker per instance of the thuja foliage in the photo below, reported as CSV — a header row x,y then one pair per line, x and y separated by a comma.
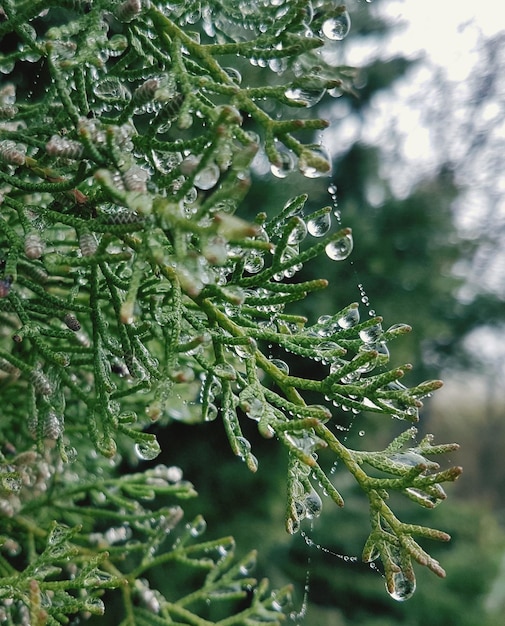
x,y
132,292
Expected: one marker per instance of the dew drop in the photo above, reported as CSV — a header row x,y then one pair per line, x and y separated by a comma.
x,y
281,365
349,319
315,162
58,534
254,263
211,414
338,27
285,165
298,233
207,177
371,334
319,226
340,249
313,504
147,450
403,588
233,74
197,527
307,96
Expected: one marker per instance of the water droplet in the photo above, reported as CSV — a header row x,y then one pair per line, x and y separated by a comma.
x,y
282,365
211,414
408,458
403,588
298,233
234,74
247,565
371,334
197,527
226,371
285,165
254,263
319,226
313,504
58,534
95,606
340,249
338,27
111,89
306,95
207,177
315,162
147,450
349,319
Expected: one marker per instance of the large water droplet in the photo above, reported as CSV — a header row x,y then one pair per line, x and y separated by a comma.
x,y
282,365
211,414
349,319
315,162
58,534
313,504
111,89
285,165
147,450
371,334
306,95
207,177
338,27
319,226
340,249
254,263
403,587
298,233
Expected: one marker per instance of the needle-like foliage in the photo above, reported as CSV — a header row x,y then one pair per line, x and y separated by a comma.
x,y
132,291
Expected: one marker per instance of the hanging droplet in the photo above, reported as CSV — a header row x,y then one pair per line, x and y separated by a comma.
x,y
207,177
298,233
371,334
285,164
315,162
349,319
313,504
338,27
403,588
147,450
58,534
281,365
254,263
319,226
307,96
234,74
211,414
340,249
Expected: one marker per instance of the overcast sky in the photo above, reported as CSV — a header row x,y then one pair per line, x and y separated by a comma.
x,y
449,108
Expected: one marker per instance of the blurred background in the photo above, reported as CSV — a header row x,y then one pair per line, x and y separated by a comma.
x,y
418,175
